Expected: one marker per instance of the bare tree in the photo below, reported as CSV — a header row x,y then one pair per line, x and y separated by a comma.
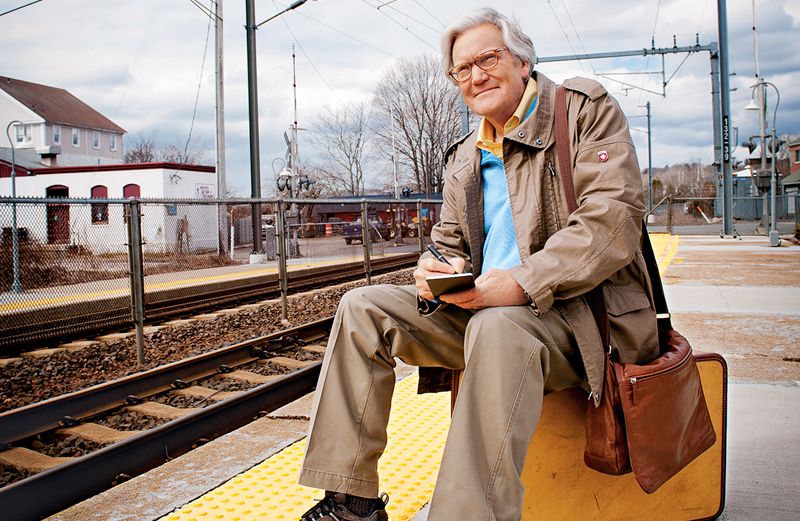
x,y
139,149
341,139
425,108
146,148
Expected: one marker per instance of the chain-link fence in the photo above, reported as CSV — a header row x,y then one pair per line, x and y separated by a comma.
x,y
703,216
73,265
62,257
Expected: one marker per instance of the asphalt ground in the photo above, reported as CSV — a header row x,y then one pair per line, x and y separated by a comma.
x,y
739,298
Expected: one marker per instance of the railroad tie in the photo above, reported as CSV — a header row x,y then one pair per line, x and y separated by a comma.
x,y
290,363
315,348
160,410
197,391
96,433
30,460
250,377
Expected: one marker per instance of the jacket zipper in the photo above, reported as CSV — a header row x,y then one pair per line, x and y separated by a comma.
x,y
634,380
553,190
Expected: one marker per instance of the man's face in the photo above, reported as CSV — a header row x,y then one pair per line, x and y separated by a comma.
x,y
494,94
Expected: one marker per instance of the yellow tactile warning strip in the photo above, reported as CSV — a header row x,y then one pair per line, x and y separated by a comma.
x,y
408,468
152,286
664,246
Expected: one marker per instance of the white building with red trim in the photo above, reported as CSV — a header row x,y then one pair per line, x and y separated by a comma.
x,y
101,226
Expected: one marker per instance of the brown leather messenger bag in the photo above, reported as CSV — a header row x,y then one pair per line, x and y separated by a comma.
x,y
652,418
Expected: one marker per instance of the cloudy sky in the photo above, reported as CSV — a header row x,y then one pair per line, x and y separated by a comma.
x,y
140,63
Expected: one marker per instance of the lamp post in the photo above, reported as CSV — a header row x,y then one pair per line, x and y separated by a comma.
x,y
761,87
16,285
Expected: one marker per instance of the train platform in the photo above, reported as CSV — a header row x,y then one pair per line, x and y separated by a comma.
x,y
739,298
49,297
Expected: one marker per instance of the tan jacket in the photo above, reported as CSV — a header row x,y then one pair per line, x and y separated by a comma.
x,y
564,256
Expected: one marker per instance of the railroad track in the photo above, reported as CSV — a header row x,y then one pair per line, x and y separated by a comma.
x,y
26,330
267,373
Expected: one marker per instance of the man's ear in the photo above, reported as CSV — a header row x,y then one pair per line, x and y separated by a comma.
x,y
529,67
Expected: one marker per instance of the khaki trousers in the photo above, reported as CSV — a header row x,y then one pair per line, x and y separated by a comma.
x,y
510,357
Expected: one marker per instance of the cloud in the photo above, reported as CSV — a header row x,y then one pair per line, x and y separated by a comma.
x,y
139,62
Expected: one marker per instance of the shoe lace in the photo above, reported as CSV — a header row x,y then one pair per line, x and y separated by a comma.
x,y
325,507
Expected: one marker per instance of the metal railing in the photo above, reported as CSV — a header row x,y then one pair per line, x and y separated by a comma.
x,y
702,215
115,260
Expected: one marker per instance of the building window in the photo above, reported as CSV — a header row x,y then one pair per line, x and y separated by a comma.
x,y
56,134
99,210
95,139
797,156
76,137
23,134
112,142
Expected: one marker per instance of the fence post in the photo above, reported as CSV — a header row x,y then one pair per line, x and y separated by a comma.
x,y
420,228
669,214
137,275
365,233
283,275
797,208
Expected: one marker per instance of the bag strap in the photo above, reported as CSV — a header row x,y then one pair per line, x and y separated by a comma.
x,y
595,298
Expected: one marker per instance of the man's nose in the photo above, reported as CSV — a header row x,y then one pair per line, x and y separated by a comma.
x,y
478,75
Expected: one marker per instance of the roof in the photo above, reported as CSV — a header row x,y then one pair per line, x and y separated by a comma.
x,y
791,180
32,158
30,161
57,105
121,166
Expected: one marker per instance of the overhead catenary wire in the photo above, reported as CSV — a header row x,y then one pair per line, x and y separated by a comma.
x,y
575,29
566,36
154,15
209,12
340,31
420,22
415,35
20,7
430,13
199,85
313,66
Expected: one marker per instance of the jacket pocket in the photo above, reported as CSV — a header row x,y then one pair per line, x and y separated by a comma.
x,y
632,318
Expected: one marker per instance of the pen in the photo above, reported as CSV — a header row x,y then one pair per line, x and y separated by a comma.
x,y
437,254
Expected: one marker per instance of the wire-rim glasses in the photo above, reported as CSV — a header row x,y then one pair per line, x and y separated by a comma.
x,y
485,61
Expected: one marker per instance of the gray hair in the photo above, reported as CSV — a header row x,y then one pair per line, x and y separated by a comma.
x,y
518,43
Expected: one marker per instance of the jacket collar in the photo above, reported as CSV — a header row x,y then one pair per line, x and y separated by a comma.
x,y
537,130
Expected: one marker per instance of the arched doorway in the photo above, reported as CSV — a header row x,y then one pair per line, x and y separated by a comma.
x,y
57,216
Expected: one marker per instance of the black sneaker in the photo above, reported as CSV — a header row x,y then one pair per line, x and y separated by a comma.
x,y
332,508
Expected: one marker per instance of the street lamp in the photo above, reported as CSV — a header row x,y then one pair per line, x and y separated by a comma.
x,y
761,86
16,285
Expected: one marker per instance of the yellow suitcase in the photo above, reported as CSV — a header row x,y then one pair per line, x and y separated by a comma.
x,y
559,486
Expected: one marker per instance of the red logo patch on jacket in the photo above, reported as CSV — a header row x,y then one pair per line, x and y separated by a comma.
x,y
602,156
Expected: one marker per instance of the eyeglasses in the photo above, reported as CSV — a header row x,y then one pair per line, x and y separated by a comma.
x,y
485,61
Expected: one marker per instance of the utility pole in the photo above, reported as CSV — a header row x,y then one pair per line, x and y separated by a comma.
x,y
255,160
295,217
649,162
464,116
394,154
222,187
725,91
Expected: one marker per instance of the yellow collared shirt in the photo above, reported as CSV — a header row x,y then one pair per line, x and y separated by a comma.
x,y
486,130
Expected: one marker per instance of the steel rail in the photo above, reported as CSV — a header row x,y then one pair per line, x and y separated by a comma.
x,y
53,490
33,419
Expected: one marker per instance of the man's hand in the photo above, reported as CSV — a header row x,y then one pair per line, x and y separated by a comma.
x,y
428,267
493,288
